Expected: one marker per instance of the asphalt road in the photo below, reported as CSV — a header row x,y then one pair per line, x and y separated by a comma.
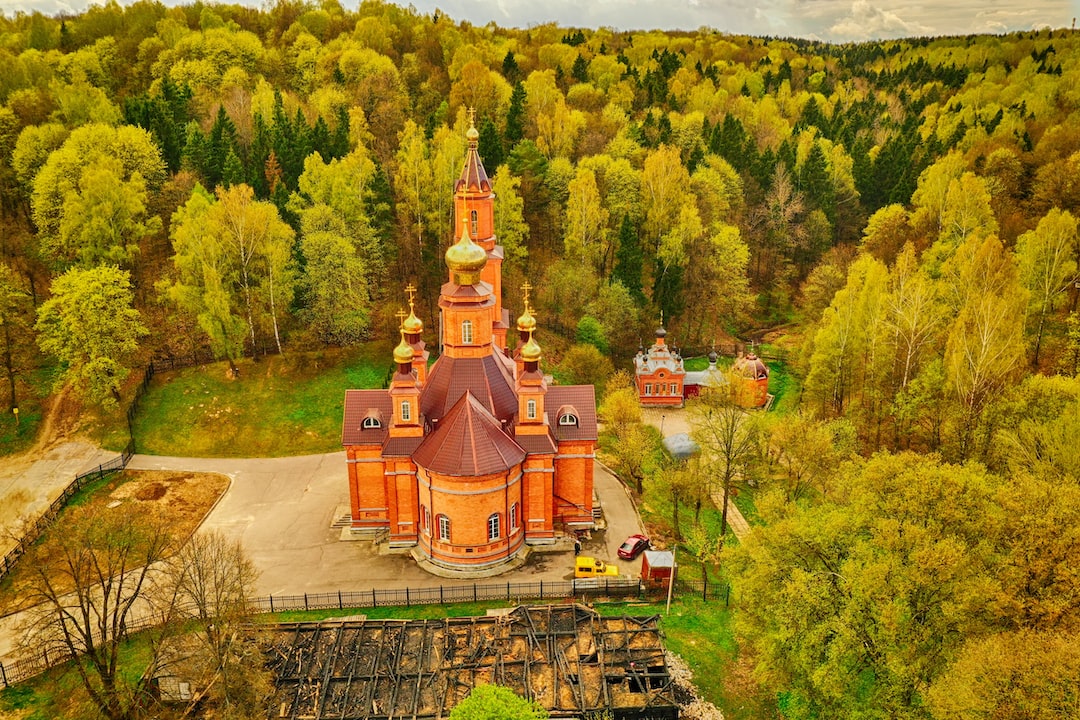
x,y
282,511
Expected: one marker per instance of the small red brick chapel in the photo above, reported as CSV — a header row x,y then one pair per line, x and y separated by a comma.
x,y
474,460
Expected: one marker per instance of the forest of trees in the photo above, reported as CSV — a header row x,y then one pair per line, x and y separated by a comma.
x,y
251,181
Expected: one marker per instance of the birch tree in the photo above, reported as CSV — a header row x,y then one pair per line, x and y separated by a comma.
x,y
90,325
986,340
1047,268
586,238
234,259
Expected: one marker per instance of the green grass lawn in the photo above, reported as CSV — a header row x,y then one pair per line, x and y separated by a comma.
x,y
784,386
280,405
699,631
32,394
59,693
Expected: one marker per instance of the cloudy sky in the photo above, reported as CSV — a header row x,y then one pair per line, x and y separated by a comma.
x,y
832,20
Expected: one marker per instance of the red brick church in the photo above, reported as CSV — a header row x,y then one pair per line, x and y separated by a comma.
x,y
474,460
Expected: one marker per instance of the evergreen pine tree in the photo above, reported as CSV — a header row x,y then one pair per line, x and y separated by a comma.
x,y
515,116
729,142
628,260
580,71
339,141
221,140
490,145
510,68
194,155
320,140
232,170
668,289
261,148
379,203
816,182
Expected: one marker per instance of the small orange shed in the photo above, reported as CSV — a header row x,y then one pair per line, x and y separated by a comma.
x,y
657,567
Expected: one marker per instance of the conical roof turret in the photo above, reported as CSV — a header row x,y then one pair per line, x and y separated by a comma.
x,y
473,176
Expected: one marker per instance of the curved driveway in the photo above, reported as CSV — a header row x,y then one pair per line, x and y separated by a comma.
x,y
282,511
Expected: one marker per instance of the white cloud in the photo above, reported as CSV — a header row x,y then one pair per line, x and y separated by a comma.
x,y
867,22
835,20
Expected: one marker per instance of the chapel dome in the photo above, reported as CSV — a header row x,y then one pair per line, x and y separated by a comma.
x,y
531,351
466,257
526,323
412,324
403,353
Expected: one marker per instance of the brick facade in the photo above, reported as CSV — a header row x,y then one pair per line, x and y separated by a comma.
x,y
477,457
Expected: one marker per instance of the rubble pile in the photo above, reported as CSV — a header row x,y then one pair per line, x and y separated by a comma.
x,y
691,705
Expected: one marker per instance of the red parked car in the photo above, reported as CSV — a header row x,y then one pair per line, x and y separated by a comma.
x,y
634,546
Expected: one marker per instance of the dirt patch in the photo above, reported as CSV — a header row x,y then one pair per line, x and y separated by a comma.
x,y
154,491
184,496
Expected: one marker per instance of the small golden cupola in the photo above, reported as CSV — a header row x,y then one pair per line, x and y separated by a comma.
x,y
531,389
414,330
412,325
526,323
466,259
403,354
531,353
405,393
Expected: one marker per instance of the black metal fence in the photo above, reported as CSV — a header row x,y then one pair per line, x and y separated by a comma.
x,y
443,594
592,590
34,531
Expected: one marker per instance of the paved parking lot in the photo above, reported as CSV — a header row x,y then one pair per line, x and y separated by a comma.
x,y
283,509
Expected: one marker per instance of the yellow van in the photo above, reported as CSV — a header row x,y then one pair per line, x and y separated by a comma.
x,y
587,567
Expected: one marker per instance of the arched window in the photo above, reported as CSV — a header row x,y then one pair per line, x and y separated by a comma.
x,y
406,410
466,332
444,527
493,526
513,517
648,388
530,409
371,423
473,224
568,419
425,519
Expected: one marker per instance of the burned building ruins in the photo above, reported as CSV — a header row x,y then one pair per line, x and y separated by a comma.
x,y
567,658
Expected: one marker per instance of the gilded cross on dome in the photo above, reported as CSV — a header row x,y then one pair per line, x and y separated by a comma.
x,y
525,288
472,117
410,289
401,315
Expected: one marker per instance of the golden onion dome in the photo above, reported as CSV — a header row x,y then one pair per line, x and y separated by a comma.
x,y
466,259
526,323
531,351
412,324
472,133
403,353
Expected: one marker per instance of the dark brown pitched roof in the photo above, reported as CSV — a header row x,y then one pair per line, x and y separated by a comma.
x,y
466,292
489,379
473,177
358,405
468,441
583,399
536,444
401,446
